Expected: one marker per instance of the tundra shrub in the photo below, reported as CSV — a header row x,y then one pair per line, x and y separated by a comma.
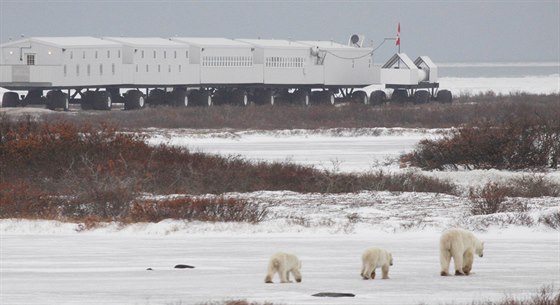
x,y
527,142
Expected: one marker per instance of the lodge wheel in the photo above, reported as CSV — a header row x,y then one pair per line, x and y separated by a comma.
x,y
323,97
134,99
301,97
360,97
10,99
377,97
444,96
57,99
102,100
179,97
240,98
156,97
421,97
86,101
33,97
264,97
399,96
200,97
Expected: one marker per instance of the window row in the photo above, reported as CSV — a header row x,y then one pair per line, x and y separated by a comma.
x,y
284,62
163,54
158,68
96,54
89,72
227,61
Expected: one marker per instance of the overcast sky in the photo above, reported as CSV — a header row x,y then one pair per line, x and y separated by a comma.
x,y
447,31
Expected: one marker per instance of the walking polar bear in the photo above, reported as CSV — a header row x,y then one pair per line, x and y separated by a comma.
x,y
372,258
283,263
461,245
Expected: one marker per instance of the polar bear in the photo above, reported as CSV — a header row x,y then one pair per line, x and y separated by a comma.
x,y
461,245
283,263
373,258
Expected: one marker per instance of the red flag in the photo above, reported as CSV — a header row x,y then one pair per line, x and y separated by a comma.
x,y
398,40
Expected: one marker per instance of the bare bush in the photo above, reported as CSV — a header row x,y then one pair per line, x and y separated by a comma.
x,y
488,199
546,295
551,220
216,209
528,141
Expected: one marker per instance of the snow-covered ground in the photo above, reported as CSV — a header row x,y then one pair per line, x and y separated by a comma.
x,y
345,150
47,262
99,268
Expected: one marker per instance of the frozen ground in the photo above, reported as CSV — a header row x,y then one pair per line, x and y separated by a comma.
x,y
46,262
345,150
92,268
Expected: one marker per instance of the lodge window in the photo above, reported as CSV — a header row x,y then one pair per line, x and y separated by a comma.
x,y
30,59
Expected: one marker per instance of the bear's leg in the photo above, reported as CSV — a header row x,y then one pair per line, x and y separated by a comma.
x,y
369,270
297,274
283,275
458,262
363,272
270,273
444,260
385,270
467,262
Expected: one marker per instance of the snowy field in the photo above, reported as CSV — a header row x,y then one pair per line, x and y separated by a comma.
x,y
46,262
339,150
92,268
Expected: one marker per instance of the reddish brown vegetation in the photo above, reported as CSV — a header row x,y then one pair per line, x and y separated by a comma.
x,y
62,169
531,141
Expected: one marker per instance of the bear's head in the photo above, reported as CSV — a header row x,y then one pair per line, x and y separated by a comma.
x,y
390,259
480,249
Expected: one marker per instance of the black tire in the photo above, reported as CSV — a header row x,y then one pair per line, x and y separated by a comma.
x,y
240,98
399,96
10,99
444,96
322,97
157,97
86,101
102,100
360,97
134,99
301,97
179,97
377,97
57,99
264,97
200,98
421,97
33,97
